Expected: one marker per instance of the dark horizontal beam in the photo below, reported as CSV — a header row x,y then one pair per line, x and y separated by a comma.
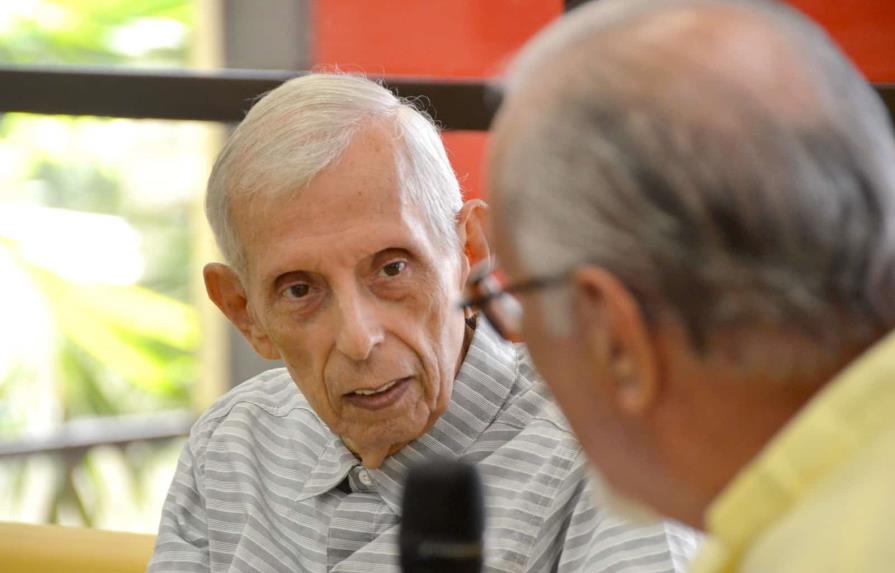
x,y
223,96
78,436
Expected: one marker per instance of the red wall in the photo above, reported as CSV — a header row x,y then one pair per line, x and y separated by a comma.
x,y
437,38
864,28
475,38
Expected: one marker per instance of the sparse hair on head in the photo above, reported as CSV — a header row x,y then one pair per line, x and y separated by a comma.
x,y
303,126
731,192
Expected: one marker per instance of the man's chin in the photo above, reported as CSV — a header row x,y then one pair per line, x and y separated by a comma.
x,y
374,435
372,454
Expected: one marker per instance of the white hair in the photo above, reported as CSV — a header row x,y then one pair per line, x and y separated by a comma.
x,y
706,196
301,127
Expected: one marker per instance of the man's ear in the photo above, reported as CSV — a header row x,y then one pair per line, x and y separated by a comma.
x,y
614,329
225,290
471,232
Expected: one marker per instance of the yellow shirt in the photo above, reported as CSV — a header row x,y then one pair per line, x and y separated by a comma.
x,y
820,497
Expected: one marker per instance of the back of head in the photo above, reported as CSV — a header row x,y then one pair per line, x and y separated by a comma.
x,y
300,128
723,159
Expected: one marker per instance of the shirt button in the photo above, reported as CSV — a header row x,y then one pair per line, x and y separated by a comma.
x,y
364,477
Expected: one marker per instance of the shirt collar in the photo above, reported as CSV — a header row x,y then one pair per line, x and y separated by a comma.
x,y
333,464
836,424
480,391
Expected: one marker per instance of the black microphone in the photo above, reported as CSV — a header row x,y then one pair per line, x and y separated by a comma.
x,y
443,519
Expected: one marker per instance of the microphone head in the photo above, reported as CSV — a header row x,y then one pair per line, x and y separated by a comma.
x,y
443,519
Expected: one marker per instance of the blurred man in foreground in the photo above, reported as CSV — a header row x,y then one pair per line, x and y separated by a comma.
x,y
695,203
348,245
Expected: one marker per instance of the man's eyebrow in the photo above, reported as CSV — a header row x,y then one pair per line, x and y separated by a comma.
x,y
390,252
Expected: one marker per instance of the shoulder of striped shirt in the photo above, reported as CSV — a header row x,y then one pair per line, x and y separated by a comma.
x,y
271,391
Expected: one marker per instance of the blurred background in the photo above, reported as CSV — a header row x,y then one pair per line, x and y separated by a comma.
x,y
100,335
108,348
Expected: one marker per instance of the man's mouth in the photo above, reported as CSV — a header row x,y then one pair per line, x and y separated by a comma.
x,y
381,396
379,390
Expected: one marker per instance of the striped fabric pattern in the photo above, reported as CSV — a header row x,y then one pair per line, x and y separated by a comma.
x,y
260,484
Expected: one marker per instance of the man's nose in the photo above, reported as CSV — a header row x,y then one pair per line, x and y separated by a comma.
x,y
359,330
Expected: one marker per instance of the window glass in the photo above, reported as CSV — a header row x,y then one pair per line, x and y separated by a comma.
x,y
99,342
97,32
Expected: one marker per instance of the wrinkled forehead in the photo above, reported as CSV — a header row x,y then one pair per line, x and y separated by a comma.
x,y
362,180
303,232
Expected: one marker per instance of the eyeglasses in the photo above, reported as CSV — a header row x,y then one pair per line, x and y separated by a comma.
x,y
486,293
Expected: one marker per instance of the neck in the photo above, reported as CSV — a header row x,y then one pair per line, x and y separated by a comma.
x,y
738,423
468,333
715,420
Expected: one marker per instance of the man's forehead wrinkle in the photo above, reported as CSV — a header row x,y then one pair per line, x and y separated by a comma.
x,y
335,253
344,243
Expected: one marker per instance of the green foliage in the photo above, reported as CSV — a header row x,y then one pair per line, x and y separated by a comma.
x,y
78,186
79,32
118,349
122,348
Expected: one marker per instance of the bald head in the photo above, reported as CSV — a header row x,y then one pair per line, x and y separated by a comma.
x,y
672,53
702,151
705,34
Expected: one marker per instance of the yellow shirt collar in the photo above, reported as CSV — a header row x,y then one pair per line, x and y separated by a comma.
x,y
826,433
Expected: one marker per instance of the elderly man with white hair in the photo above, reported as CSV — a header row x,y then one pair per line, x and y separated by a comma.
x,y
695,202
348,246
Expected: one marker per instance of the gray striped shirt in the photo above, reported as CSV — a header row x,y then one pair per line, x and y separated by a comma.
x,y
257,487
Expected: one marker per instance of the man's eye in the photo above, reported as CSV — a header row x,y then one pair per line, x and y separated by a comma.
x,y
394,269
298,290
